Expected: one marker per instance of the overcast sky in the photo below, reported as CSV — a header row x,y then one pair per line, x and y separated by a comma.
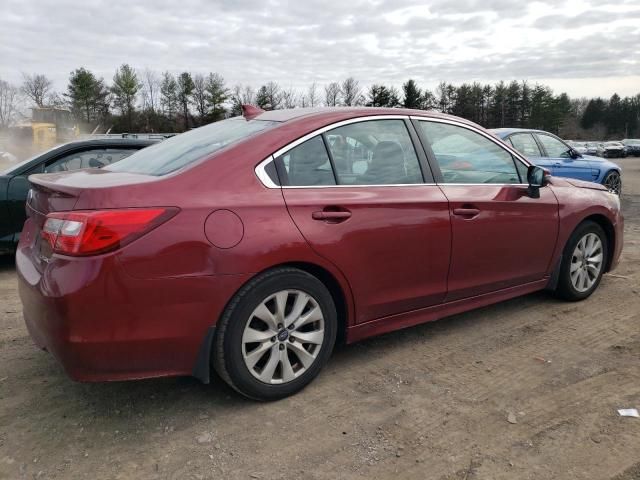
x,y
583,47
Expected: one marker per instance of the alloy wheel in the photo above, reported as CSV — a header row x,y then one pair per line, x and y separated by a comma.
x,y
586,262
613,182
283,336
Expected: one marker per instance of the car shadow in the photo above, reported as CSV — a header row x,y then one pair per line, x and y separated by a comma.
x,y
7,263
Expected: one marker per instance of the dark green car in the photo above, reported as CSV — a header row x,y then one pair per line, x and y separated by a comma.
x,y
14,186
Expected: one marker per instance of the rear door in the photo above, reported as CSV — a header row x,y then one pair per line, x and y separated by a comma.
x,y
357,192
562,163
501,236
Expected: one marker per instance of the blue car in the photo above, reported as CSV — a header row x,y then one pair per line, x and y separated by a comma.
x,y
548,151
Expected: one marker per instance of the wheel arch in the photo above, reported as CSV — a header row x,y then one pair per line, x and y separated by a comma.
x,y
203,367
609,231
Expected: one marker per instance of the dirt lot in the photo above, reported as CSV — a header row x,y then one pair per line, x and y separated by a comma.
x,y
431,402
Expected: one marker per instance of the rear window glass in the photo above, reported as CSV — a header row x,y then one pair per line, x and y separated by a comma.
x,y
181,150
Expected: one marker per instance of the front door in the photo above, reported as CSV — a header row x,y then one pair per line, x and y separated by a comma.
x,y
562,164
501,236
358,195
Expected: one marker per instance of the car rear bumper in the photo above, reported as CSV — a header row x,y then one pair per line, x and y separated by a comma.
x,y
102,324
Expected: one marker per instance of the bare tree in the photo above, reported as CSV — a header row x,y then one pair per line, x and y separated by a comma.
x,y
351,92
241,95
332,94
36,87
289,98
313,99
200,95
273,95
150,88
8,103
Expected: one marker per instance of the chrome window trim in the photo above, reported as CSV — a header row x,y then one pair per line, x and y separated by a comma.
x,y
267,182
262,174
483,185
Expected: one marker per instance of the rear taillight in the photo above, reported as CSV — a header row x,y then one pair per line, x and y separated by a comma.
x,y
90,232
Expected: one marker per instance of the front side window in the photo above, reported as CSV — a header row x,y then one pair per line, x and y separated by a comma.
x,y
306,165
525,144
184,149
374,152
554,147
465,156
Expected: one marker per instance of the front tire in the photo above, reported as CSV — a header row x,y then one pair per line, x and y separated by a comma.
x,y
583,262
276,334
613,182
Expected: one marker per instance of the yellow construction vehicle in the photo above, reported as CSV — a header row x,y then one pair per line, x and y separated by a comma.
x,y
49,127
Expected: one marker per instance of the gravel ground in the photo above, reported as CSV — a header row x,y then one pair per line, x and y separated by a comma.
x,y
526,389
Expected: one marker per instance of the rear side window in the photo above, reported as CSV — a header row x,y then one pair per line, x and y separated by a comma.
x,y
186,148
375,152
525,144
96,158
306,165
465,156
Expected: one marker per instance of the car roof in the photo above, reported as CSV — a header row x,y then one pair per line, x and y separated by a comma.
x,y
505,132
290,114
126,141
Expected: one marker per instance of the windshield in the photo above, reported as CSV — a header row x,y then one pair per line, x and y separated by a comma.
x,y
186,148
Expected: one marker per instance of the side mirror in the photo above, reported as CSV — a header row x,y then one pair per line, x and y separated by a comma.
x,y
536,180
574,154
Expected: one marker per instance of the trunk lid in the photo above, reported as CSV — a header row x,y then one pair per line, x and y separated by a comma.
x,y
54,192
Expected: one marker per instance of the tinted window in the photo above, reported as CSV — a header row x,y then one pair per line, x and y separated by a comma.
x,y
306,165
376,152
465,156
181,150
525,144
96,158
554,147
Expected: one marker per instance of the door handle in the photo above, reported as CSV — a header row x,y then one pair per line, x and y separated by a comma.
x,y
466,212
329,216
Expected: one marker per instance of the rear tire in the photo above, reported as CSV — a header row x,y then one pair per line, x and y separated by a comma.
x,y
276,334
584,260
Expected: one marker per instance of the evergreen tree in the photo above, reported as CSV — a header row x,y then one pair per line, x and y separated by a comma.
x,y
382,96
185,91
125,90
217,94
87,95
169,96
594,113
412,95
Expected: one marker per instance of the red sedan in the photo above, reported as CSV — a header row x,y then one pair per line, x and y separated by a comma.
x,y
250,245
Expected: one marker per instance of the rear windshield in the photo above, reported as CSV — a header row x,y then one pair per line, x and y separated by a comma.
x,y
181,150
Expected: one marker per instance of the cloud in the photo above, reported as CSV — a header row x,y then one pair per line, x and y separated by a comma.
x,y
298,42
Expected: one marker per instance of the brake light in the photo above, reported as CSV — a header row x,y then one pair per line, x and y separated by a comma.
x,y
91,232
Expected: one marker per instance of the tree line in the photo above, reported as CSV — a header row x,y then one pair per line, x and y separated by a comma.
x,y
148,101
